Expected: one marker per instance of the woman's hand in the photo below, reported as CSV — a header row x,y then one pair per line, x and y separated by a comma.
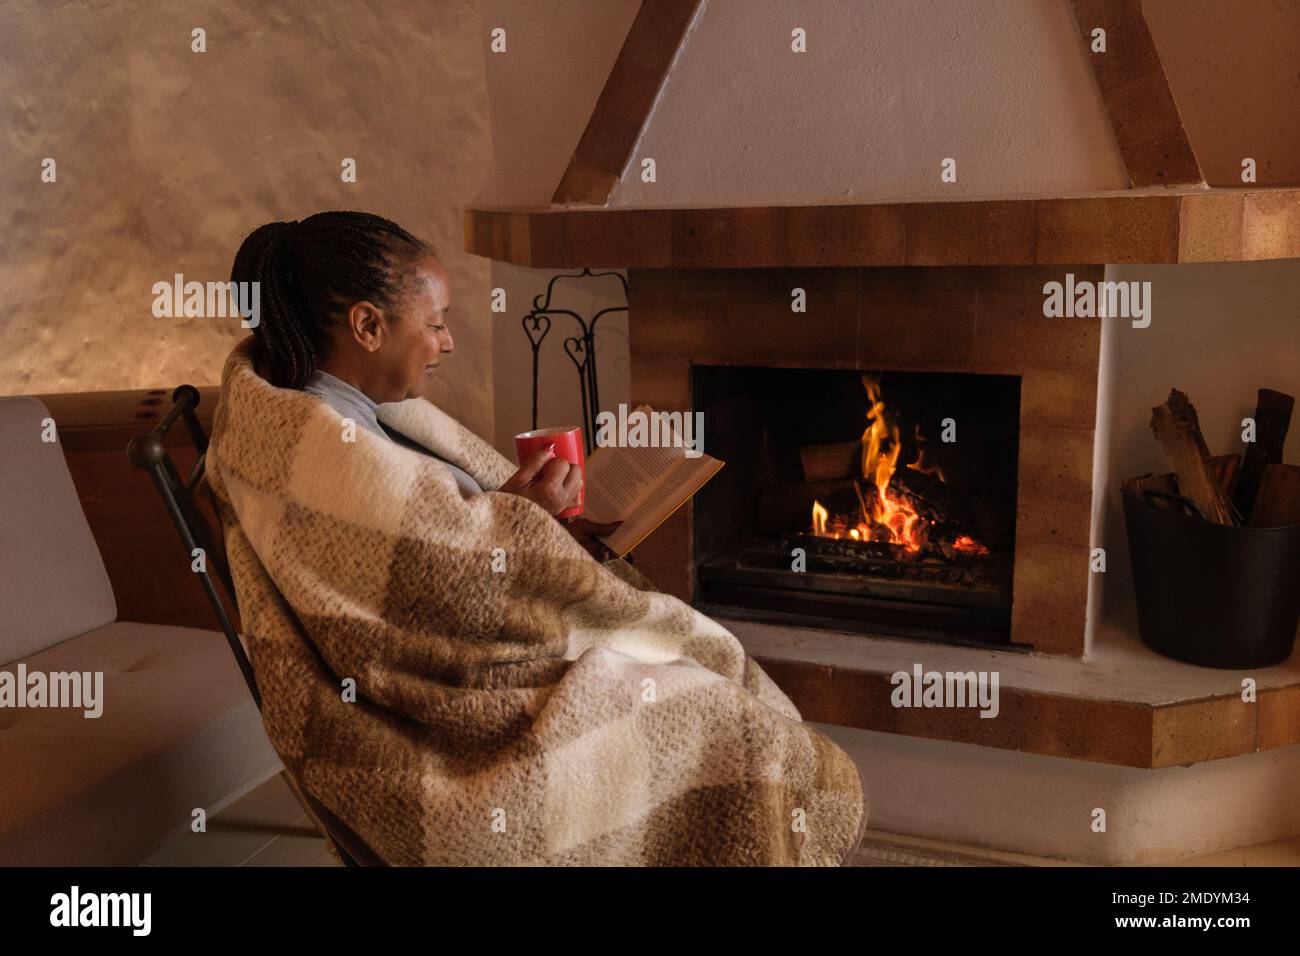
x,y
588,534
550,482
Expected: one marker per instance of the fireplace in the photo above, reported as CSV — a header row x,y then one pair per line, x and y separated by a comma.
x,y
870,501
778,387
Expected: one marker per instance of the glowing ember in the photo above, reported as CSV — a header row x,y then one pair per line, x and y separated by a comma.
x,y
969,545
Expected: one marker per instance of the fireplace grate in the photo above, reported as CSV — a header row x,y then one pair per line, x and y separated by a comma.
x,y
852,500
850,585
875,559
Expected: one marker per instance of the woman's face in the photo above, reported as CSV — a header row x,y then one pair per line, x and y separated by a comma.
x,y
418,335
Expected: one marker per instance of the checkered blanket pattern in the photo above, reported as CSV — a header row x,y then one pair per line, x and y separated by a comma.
x,y
462,684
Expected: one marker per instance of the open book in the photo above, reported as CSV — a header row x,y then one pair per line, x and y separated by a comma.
x,y
642,486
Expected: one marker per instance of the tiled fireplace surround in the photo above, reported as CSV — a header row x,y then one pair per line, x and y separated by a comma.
x,y
918,319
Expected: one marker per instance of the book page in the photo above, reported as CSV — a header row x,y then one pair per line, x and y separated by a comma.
x,y
683,479
619,478
642,486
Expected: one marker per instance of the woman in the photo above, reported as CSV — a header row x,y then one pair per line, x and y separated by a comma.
x,y
353,310
445,669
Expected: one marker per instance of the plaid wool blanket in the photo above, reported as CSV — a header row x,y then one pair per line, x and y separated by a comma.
x,y
462,684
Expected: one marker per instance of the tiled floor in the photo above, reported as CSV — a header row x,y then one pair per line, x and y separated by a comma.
x,y
267,827
892,849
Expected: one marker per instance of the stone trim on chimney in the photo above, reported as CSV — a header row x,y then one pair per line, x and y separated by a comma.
x,y
1148,127
625,102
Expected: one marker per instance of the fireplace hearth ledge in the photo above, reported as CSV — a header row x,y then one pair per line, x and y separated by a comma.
x,y
1122,705
1045,807
1154,224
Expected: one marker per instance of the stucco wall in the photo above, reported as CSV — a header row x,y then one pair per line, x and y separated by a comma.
x,y
167,158
1234,69
886,91
889,88
542,92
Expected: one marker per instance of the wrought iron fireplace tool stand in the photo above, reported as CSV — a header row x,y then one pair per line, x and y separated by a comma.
x,y
581,348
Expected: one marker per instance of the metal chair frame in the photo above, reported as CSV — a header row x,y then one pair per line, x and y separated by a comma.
x,y
149,453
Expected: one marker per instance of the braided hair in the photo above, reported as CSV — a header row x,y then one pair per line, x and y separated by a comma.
x,y
309,272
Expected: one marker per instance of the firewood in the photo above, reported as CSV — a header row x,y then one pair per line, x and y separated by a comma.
x,y
841,459
1179,433
1226,470
929,497
1277,502
1272,419
1165,484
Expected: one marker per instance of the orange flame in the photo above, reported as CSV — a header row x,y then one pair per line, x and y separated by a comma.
x,y
818,518
880,450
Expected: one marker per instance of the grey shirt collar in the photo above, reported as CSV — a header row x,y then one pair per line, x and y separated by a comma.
x,y
348,400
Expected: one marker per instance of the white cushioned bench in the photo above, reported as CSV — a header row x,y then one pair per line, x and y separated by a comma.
x,y
179,729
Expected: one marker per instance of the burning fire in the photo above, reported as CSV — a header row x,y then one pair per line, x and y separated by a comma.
x,y
888,517
880,449
819,518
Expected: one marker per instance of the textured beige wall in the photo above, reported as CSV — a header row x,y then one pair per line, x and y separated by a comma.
x,y
167,158
886,91
542,91
1004,86
543,88
1234,69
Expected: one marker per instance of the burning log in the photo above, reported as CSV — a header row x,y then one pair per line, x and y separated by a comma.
x,y
880,556
929,497
1179,433
1272,419
910,508
1277,503
943,515
783,509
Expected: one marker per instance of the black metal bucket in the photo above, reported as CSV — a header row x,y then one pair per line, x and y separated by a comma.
x,y
1212,594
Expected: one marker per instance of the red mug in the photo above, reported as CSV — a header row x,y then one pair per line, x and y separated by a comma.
x,y
568,445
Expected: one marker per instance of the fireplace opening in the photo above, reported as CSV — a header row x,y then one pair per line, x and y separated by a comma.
x,y
872,502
